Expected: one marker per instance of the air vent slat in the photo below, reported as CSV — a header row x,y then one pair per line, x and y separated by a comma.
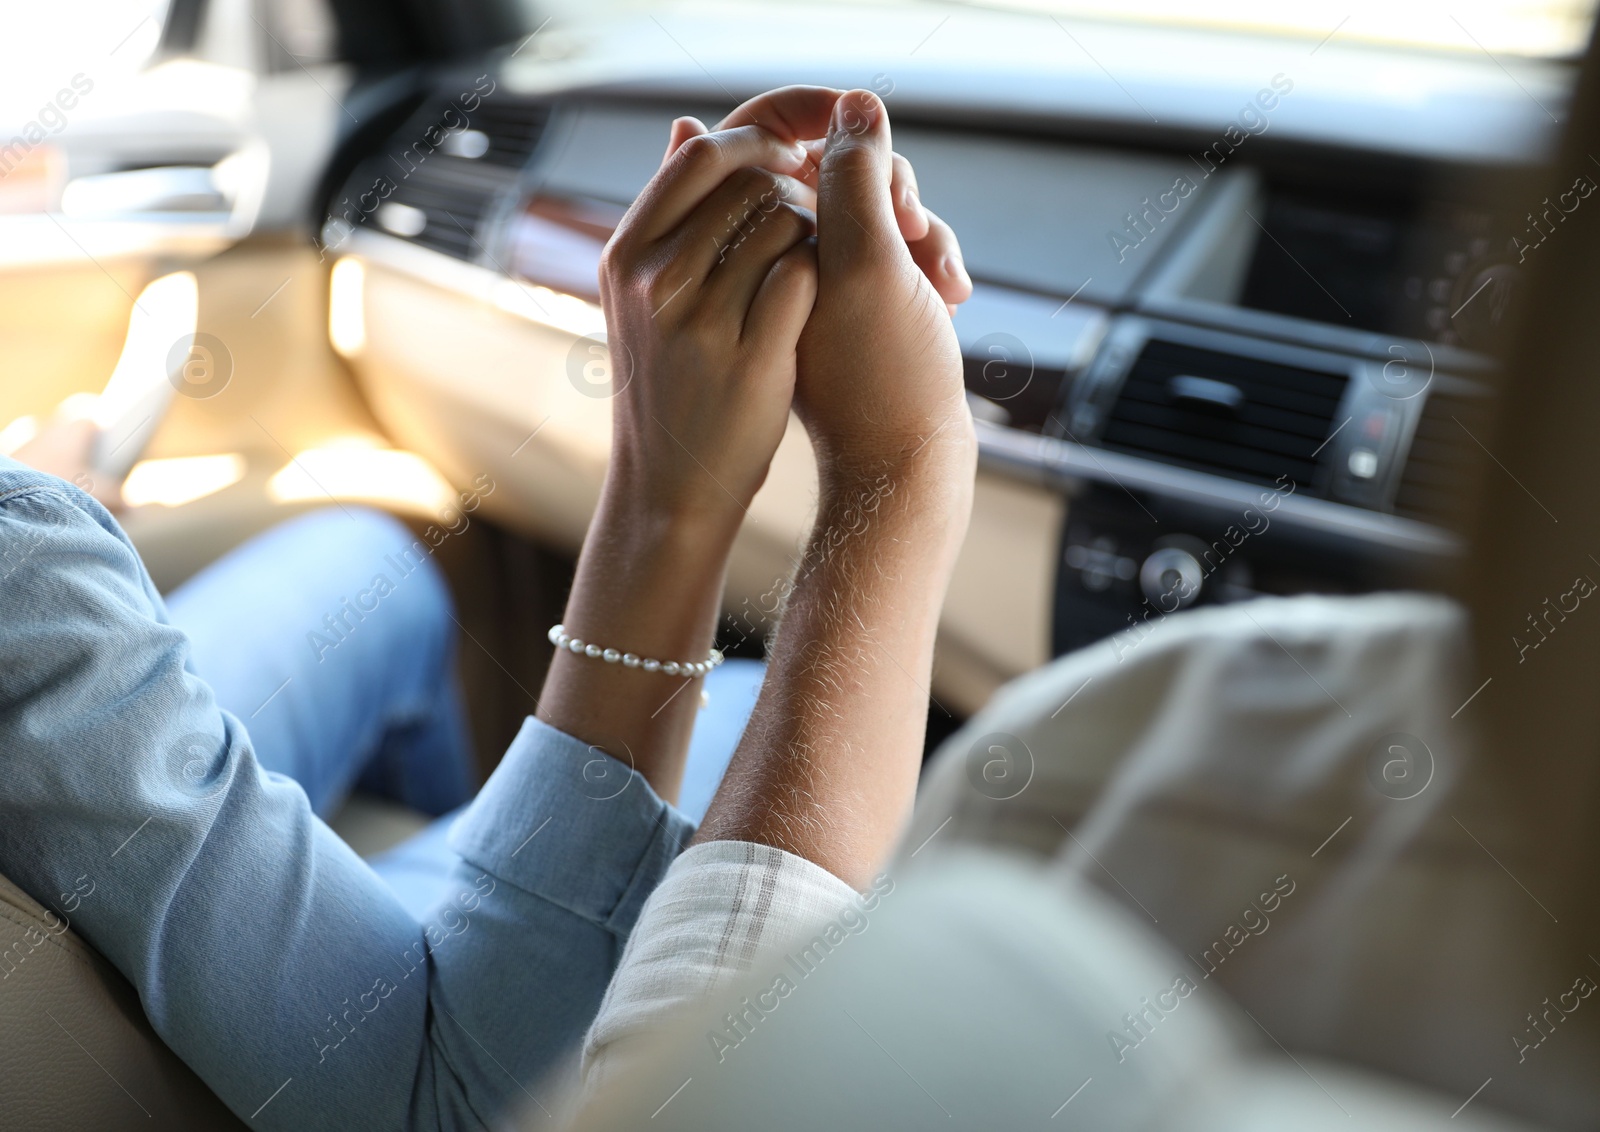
x,y
455,184
1434,485
1271,428
514,128
1157,409
1152,419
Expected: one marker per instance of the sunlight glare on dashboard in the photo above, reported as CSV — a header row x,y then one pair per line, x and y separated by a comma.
x,y
355,469
347,317
555,309
177,480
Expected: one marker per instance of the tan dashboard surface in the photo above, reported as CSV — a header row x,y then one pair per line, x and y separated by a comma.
x,y
478,390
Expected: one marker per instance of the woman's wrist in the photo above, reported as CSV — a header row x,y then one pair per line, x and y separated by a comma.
x,y
650,580
702,509
681,542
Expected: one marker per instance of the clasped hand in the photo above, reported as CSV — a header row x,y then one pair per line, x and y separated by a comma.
x,y
782,259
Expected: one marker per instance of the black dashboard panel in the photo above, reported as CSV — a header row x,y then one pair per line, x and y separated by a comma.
x,y
1305,435
1435,272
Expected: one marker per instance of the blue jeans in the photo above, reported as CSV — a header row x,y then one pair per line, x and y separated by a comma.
x,y
368,700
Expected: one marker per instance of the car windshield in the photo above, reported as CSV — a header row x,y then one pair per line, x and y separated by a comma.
x,y
1529,28
1518,27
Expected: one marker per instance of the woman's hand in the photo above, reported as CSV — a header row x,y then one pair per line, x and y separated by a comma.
x,y
707,284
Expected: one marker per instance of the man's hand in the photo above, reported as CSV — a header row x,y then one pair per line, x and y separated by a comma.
x,y
827,767
880,381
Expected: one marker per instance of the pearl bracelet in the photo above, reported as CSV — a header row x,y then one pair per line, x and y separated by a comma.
x,y
692,668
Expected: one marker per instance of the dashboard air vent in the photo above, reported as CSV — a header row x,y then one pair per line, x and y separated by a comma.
x,y
440,176
1226,414
513,128
1434,486
452,202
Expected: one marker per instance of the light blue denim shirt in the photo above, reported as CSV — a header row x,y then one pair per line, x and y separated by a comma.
x,y
265,952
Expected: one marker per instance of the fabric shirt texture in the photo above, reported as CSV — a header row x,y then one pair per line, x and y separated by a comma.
x,y
264,951
721,905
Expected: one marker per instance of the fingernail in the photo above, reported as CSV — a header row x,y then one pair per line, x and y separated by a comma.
x,y
855,113
912,203
955,269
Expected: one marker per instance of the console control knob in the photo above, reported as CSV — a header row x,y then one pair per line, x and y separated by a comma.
x,y
1171,578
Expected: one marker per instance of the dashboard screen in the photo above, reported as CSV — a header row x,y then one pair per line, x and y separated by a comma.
x,y
1439,274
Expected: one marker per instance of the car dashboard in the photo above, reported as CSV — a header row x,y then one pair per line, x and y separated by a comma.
x,y
1234,312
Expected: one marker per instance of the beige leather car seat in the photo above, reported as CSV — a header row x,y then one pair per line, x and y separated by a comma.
x,y
79,1052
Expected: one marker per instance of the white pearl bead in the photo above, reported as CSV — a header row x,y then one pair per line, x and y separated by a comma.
x,y
694,669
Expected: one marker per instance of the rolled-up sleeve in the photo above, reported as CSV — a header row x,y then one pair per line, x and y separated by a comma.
x,y
265,952
723,907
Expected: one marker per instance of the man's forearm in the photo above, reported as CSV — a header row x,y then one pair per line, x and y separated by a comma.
x,y
828,765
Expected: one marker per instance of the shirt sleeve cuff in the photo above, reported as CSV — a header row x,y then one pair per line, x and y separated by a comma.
x,y
724,908
568,823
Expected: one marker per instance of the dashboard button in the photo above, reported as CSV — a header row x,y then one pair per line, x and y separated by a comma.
x,y
1171,574
1363,463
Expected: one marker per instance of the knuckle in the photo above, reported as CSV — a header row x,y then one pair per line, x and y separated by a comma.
x,y
793,222
798,264
849,161
613,257
776,229
623,254
752,181
701,150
